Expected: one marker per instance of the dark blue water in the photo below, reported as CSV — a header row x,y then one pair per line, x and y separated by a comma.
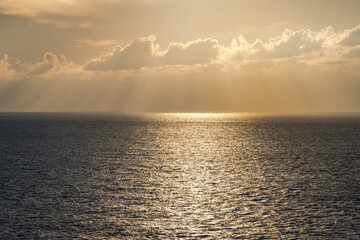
x,y
166,176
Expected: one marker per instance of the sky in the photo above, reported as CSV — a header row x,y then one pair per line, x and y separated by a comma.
x,y
180,55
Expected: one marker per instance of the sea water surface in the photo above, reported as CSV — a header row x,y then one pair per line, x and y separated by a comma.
x,y
179,176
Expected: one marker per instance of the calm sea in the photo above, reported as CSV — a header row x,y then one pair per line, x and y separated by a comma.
x,y
173,176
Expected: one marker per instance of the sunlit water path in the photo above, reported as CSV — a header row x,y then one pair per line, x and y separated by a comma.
x,y
165,176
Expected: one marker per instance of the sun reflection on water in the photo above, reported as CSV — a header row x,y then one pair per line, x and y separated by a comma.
x,y
199,177
201,117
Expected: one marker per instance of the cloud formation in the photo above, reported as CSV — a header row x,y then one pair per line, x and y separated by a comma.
x,y
307,46
194,52
140,52
144,52
352,37
298,70
290,43
5,67
14,68
318,48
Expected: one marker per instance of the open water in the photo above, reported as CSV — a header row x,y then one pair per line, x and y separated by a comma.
x,y
179,176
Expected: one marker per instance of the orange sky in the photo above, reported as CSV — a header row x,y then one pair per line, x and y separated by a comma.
x,y
172,55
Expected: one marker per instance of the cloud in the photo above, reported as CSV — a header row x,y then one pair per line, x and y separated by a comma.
x,y
144,52
325,46
5,67
194,52
140,52
237,50
319,48
50,63
290,43
14,68
352,37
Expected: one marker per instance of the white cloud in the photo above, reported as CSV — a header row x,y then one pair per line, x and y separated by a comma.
x,y
290,43
5,67
194,52
51,63
14,68
306,46
140,52
352,37
321,48
144,52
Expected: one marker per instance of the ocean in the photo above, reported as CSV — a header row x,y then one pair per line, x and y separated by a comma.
x,y
179,176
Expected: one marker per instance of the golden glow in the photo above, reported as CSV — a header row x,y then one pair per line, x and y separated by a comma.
x,y
199,115
143,57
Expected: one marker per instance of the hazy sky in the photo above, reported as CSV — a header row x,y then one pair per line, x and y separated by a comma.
x,y
180,55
